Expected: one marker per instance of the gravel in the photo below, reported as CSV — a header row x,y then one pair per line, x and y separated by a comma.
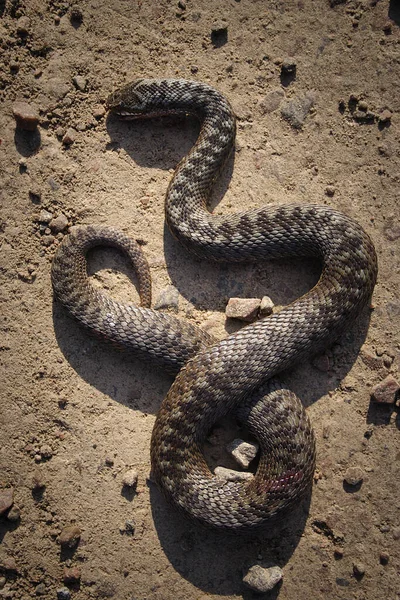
x,y
168,298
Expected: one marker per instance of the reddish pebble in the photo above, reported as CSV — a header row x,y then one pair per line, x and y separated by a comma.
x,y
386,391
26,116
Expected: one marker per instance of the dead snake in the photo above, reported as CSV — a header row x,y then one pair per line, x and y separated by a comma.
x,y
216,377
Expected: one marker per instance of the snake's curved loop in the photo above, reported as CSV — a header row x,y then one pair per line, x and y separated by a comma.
x,y
222,375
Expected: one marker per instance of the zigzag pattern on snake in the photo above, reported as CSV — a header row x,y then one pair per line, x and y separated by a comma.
x,y
216,377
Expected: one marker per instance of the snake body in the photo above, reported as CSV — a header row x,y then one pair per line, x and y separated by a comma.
x,y
216,377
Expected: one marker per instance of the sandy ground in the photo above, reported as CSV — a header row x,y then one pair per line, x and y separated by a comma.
x,y
76,414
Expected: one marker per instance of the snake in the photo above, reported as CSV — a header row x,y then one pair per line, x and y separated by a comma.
x,y
237,374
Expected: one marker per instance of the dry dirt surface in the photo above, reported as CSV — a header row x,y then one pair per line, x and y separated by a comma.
x,y
316,89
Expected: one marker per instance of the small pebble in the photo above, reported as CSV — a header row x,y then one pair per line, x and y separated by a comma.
x,y
288,66
396,533
63,594
384,558
385,116
168,298
37,480
3,581
45,216
40,589
130,478
219,34
59,223
231,475
242,452
363,105
26,116
330,190
46,451
99,112
23,26
266,307
35,194
262,579
76,15
47,240
338,553
7,563
244,309
6,499
358,569
69,536
386,391
182,5
69,137
79,82
14,514
109,461
354,476
72,574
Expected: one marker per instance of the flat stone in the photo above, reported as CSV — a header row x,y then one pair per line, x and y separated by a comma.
x,y
168,298
6,499
295,111
26,116
266,307
69,536
243,452
231,475
262,579
59,223
244,309
354,476
130,478
386,391
272,101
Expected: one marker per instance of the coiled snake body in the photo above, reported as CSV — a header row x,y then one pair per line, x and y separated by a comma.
x,y
215,377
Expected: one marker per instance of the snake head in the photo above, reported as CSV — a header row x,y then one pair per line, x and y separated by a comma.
x,y
128,101
148,98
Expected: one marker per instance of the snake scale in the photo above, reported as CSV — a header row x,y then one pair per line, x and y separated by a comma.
x,y
236,373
